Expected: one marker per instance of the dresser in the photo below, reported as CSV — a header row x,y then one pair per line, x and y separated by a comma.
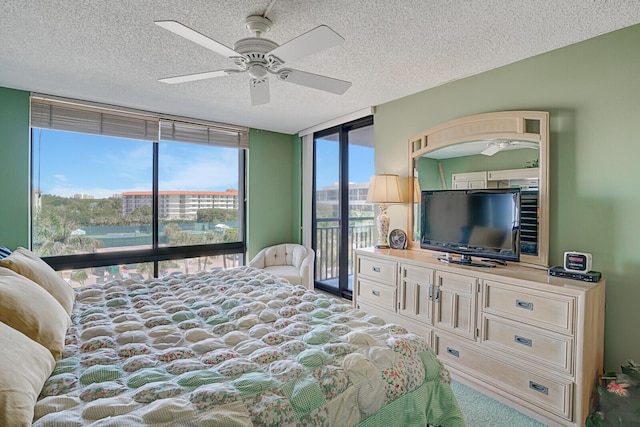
x,y
531,341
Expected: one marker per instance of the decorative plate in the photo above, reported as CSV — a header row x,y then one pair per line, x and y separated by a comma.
x,y
398,239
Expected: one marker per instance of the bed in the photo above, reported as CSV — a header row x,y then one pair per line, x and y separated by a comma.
x,y
233,347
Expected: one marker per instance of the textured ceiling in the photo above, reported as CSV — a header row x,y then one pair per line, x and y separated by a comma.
x,y
111,51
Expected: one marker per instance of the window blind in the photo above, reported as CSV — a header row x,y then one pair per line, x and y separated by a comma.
x,y
206,134
77,116
50,114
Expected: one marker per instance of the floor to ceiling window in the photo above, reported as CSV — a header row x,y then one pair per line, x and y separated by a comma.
x,y
342,221
118,194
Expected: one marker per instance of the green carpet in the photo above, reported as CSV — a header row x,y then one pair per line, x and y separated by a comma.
x,y
482,411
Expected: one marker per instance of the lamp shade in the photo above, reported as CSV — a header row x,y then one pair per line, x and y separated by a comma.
x,y
384,188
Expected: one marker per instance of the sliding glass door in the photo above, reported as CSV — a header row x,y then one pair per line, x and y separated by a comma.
x,y
342,221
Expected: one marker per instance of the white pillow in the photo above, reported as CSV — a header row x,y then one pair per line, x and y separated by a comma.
x,y
25,367
28,308
28,264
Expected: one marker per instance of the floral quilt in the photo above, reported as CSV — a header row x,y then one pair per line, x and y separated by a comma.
x,y
227,348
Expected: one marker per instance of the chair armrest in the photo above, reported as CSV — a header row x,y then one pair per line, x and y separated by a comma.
x,y
258,260
306,269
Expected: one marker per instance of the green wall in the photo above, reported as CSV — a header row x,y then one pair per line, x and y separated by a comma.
x,y
14,168
273,180
274,187
592,92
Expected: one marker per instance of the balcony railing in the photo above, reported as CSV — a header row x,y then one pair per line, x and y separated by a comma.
x,y
327,243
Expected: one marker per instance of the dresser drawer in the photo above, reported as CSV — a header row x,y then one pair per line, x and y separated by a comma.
x,y
377,269
552,311
540,346
378,294
554,395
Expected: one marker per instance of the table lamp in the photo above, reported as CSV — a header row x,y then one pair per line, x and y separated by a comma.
x,y
384,189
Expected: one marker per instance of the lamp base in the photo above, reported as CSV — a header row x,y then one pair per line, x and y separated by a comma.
x,y
382,224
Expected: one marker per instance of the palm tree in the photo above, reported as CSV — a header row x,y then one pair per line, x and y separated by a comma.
x,y
55,236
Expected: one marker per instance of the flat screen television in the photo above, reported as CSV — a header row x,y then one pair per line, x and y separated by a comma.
x,y
481,223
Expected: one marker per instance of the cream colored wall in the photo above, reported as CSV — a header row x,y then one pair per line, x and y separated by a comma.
x,y
592,92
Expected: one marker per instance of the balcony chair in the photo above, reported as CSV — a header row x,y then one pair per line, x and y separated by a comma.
x,y
289,260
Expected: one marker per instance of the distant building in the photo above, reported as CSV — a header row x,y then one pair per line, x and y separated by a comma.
x,y
180,204
82,196
329,196
36,201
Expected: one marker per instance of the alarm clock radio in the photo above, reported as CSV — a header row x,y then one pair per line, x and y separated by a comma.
x,y
577,262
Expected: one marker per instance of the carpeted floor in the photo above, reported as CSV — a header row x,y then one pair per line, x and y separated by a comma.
x,y
482,411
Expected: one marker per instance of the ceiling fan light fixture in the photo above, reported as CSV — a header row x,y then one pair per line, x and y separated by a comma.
x,y
257,71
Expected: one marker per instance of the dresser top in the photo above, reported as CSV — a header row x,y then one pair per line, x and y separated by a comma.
x,y
512,271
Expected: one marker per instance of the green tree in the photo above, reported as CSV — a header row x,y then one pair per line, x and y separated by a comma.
x,y
145,268
324,210
217,215
140,216
79,276
56,234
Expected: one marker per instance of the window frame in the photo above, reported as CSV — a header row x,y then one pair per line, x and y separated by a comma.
x,y
342,196
155,253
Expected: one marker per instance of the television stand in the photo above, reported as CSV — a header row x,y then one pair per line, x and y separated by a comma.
x,y
466,260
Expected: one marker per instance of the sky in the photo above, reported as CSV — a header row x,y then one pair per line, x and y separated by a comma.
x,y
361,165
101,166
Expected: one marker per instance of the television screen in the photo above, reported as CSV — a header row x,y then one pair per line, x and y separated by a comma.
x,y
484,223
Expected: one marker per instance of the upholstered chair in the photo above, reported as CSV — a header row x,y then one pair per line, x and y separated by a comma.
x,y
289,260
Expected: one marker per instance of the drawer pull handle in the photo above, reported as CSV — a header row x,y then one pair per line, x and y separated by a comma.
x,y
376,293
539,388
376,269
453,352
524,304
522,340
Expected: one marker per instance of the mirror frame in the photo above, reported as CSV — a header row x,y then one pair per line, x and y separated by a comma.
x,y
490,126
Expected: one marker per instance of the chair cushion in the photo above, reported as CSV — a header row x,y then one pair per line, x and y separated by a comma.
x,y
292,274
285,254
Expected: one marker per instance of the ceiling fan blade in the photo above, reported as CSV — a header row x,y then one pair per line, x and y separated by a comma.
x,y
313,41
198,38
315,81
526,144
491,149
259,90
195,77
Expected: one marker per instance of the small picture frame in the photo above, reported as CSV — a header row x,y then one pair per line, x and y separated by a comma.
x,y
398,239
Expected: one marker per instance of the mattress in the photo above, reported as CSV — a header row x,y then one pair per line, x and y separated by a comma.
x,y
237,348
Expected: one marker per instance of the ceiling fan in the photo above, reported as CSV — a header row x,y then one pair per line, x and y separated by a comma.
x,y
497,146
260,57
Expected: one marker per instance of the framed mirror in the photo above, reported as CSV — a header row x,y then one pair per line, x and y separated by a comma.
x,y
492,150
